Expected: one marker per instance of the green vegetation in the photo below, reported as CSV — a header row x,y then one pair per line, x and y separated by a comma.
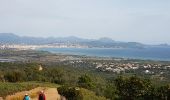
x,y
91,84
90,95
81,80
10,88
132,88
75,93
86,82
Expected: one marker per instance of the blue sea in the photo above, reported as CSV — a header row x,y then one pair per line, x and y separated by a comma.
x,y
149,53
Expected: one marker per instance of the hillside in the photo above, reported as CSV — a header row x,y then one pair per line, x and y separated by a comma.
x,y
84,77
16,91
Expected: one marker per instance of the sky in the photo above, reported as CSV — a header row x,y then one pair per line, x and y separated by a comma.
x,y
145,21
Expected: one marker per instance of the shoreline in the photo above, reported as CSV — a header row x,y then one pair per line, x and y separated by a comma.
x,y
103,57
120,53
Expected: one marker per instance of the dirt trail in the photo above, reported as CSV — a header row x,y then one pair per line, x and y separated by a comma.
x,y
51,94
20,95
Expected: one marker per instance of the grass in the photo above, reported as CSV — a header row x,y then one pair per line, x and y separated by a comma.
x,y
90,95
19,96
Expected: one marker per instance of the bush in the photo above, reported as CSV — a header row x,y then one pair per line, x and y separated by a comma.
x,y
71,93
74,93
86,82
132,88
14,76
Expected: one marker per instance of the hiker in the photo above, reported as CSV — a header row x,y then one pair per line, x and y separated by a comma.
x,y
26,97
42,96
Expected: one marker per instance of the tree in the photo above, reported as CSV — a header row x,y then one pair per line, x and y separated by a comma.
x,y
1,77
86,82
132,88
14,76
163,92
71,93
55,75
110,92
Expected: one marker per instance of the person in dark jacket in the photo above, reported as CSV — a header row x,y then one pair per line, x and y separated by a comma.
x,y
41,96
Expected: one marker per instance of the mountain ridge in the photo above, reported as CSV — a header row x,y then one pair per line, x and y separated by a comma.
x,y
105,42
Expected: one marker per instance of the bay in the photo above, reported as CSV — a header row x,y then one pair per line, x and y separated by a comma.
x,y
150,53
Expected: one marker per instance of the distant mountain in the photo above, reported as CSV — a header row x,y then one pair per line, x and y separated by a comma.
x,y
10,38
106,40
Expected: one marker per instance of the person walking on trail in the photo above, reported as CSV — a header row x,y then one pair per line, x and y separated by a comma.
x,y
42,96
26,97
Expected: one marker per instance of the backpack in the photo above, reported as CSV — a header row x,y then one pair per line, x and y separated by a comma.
x,y
41,97
26,98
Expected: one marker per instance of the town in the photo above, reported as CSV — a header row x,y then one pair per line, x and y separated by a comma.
x,y
119,66
33,47
104,64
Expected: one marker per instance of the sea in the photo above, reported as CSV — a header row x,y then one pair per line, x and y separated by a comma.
x,y
148,53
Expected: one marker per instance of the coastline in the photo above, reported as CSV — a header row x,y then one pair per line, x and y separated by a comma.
x,y
148,53
109,53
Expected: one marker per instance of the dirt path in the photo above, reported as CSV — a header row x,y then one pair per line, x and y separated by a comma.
x,y
20,95
51,94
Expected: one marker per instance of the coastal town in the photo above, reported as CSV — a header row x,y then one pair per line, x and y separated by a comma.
x,y
33,47
119,66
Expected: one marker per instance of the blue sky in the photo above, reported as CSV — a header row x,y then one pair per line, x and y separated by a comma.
x,y
146,21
